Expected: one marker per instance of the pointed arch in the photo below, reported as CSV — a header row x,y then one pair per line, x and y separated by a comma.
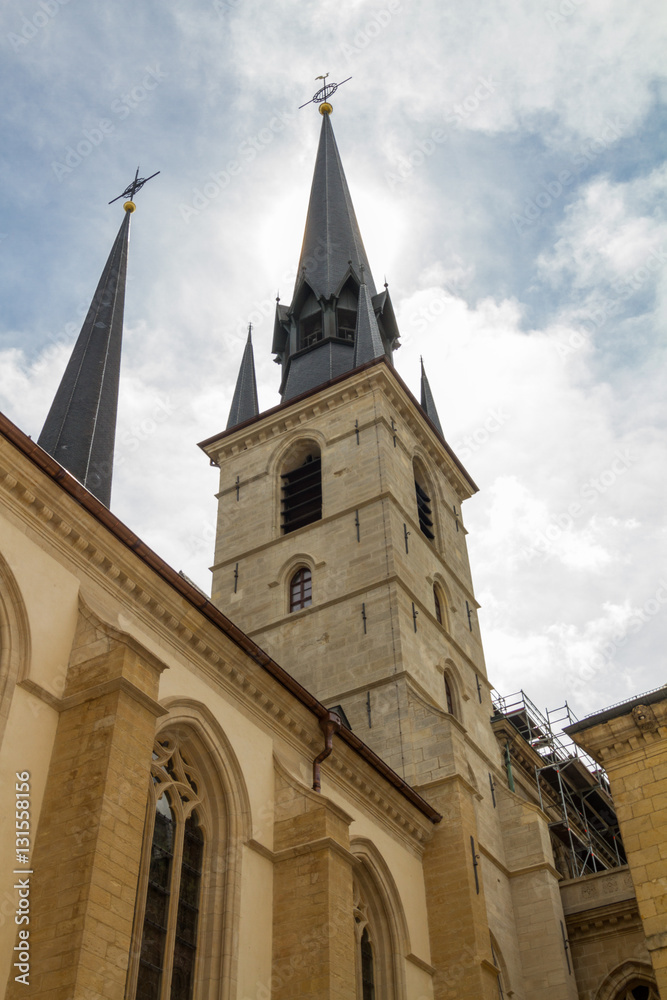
x,y
217,797
501,965
378,908
624,978
15,645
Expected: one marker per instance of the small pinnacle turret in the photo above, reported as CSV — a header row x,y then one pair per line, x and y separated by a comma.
x,y
367,342
245,404
427,401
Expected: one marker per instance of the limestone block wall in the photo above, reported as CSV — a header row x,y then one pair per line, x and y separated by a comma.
x,y
630,742
603,927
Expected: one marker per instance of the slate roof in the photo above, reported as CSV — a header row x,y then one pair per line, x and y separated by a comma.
x,y
245,404
367,341
428,403
80,428
332,238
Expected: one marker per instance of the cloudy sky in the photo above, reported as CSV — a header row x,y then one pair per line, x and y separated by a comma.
x,y
506,160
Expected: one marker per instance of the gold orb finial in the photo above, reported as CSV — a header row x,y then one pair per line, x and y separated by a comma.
x,y
129,206
325,108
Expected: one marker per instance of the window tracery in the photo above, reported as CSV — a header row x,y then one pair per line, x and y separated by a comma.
x,y
170,889
637,991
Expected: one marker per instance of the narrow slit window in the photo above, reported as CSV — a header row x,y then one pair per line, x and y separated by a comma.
x,y
302,495
450,697
437,605
301,590
424,511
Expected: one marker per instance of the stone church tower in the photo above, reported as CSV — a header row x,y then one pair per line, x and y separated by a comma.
x,y
341,549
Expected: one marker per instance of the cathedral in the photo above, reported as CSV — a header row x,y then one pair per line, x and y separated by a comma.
x,y
303,786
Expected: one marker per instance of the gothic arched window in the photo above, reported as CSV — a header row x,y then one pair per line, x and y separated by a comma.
x,y
301,589
167,918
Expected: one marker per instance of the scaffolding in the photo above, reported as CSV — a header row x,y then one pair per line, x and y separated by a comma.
x,y
571,787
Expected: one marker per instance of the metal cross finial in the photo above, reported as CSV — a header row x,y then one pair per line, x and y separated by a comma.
x,y
326,92
135,186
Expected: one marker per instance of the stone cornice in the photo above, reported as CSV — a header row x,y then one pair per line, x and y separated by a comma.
x,y
377,375
603,919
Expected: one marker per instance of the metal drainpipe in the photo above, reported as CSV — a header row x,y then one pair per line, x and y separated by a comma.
x,y
329,724
508,765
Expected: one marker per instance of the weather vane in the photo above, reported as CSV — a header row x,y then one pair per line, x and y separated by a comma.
x,y
327,91
135,186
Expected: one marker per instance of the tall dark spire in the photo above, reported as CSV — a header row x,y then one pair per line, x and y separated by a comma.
x,y
80,429
332,244
428,403
336,320
245,404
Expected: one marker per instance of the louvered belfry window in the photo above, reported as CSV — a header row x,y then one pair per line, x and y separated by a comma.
x,y
424,510
302,494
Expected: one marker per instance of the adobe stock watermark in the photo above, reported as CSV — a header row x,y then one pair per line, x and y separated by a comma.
x,y
635,623
467,446
222,7
76,153
566,8
246,152
554,189
128,102
31,26
592,320
425,148
589,494
370,30
122,107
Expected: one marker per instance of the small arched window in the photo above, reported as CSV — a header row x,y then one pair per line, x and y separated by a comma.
x,y
172,879
301,589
